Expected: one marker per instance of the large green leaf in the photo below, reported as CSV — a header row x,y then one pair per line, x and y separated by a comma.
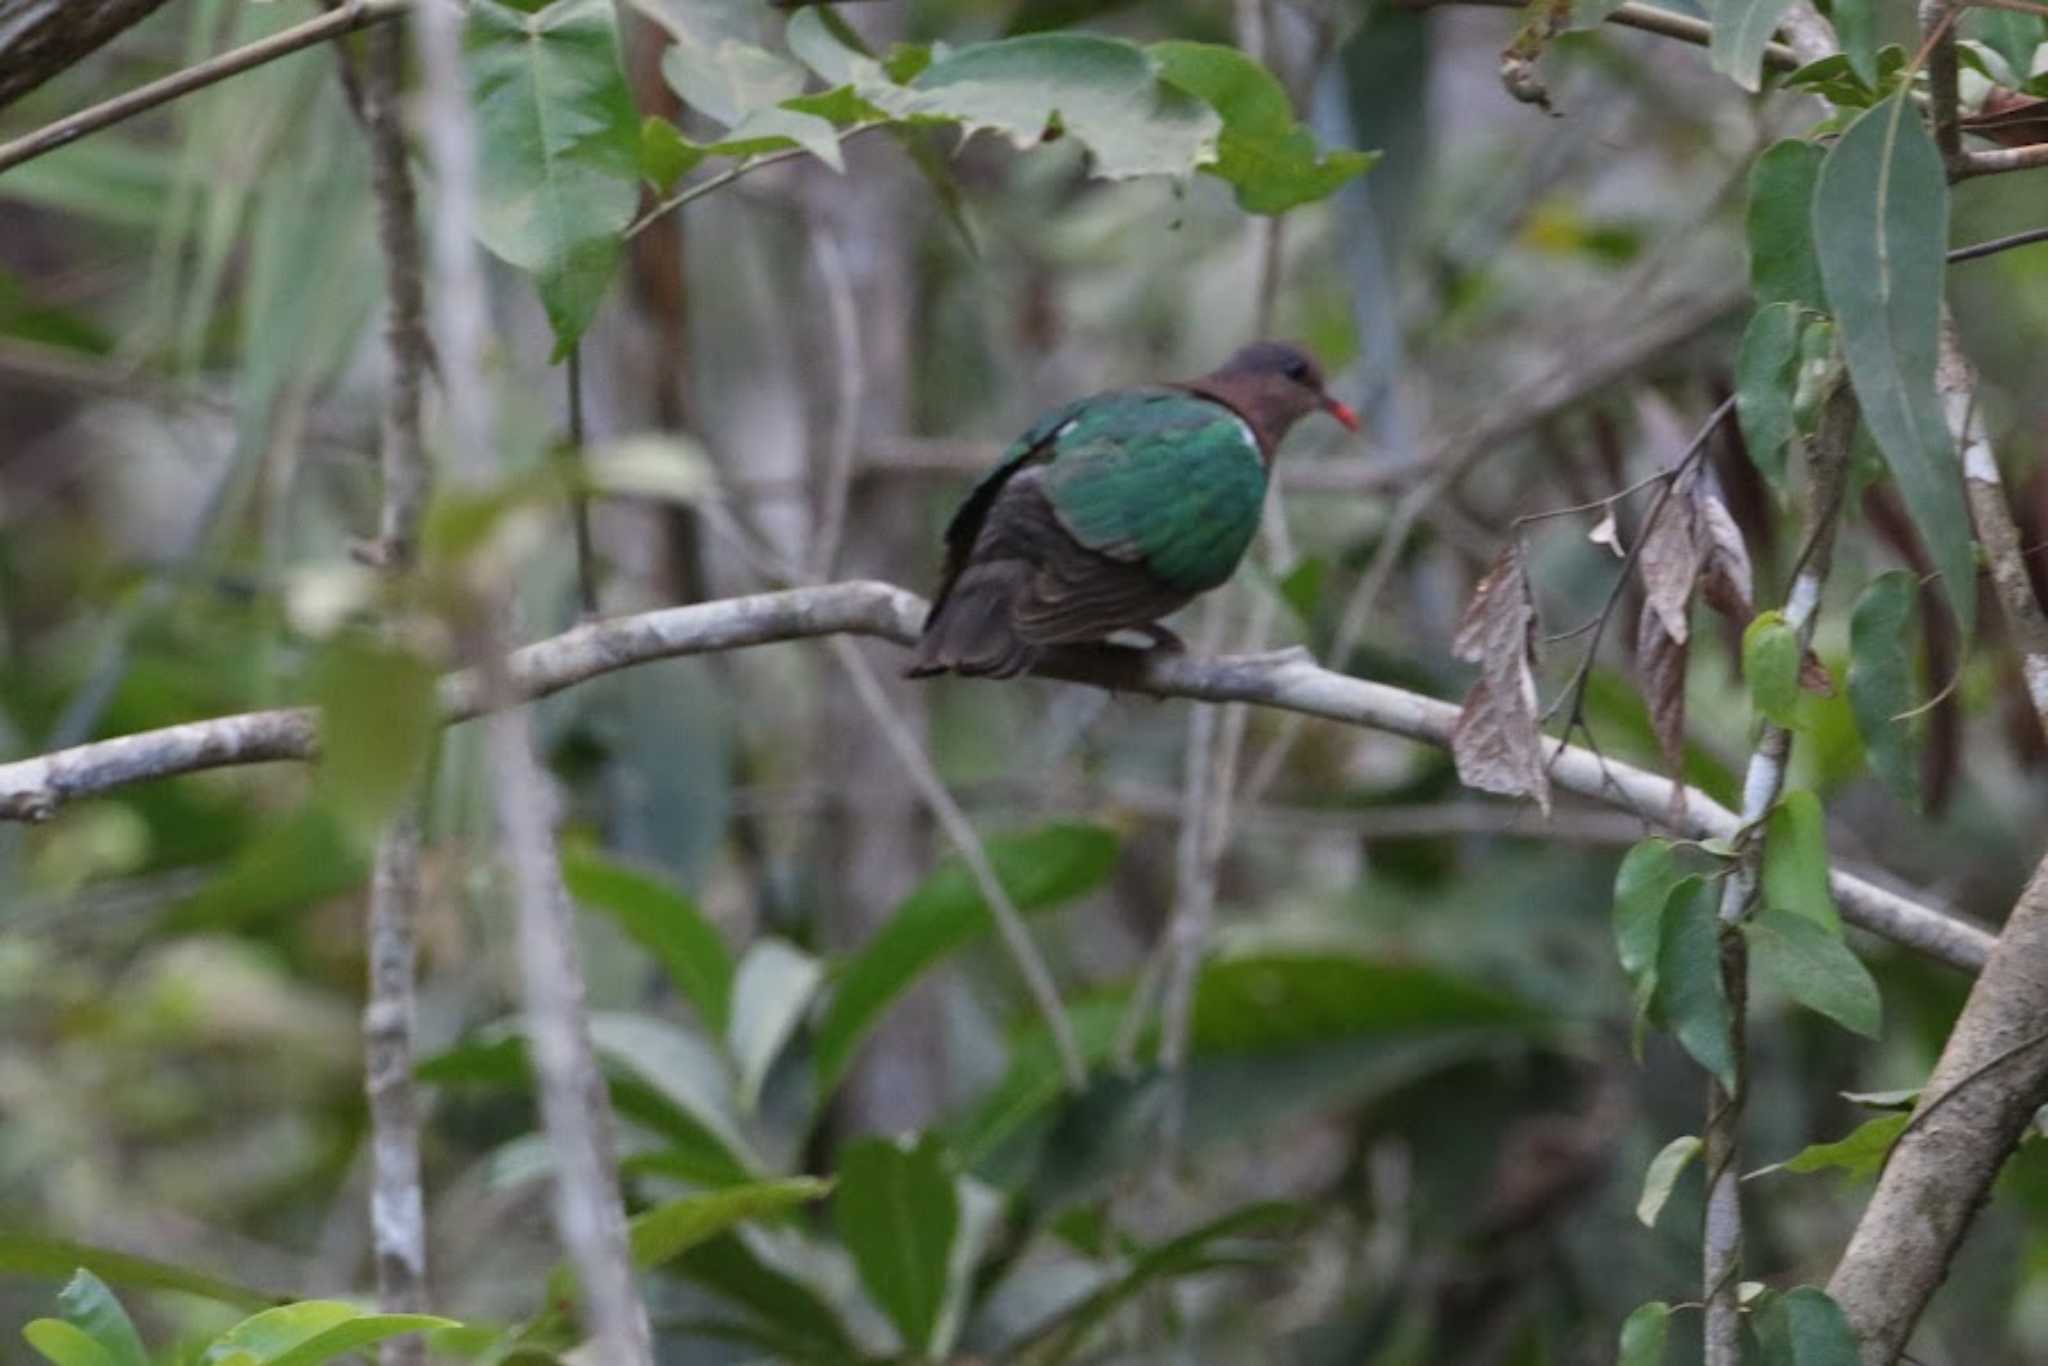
x,y
1782,263
897,1211
88,1305
558,155
1038,868
25,1254
799,1312
1102,92
666,1232
1274,1000
1691,999
1662,1175
1642,886
771,994
664,921
1644,1335
314,1331
1810,963
1770,665
1880,222
1803,1327
1272,160
378,720
66,1344
1194,1251
1860,1153
1766,379
1881,680
1795,863
1742,29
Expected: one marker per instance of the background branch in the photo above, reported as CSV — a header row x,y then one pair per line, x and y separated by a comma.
x,y
1287,680
45,37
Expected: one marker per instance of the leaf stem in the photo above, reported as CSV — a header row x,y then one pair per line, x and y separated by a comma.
x,y
732,173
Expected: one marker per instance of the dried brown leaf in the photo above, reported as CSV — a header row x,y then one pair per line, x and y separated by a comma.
x,y
1669,562
1660,672
1497,741
1726,579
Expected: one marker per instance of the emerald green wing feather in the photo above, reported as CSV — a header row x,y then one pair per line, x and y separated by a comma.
x,y
1159,476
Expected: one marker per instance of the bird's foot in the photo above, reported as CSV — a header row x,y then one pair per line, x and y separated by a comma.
x,y
1163,639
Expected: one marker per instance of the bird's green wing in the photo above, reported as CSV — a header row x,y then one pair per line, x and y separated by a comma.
x,y
1159,476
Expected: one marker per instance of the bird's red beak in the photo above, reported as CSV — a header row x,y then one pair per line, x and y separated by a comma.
x,y
1342,412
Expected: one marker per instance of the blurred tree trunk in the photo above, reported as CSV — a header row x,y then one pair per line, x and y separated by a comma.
x,y
875,842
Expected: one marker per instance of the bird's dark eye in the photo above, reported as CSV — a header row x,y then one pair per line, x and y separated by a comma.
x,y
1298,371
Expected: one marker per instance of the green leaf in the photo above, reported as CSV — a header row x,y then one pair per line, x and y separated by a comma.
x,y
666,1232
1860,1154
1192,1252
1642,886
1795,865
1856,31
1770,665
1690,997
1814,967
88,1305
1766,378
558,161
664,922
1783,266
731,80
1644,1335
1271,160
23,1254
1880,221
777,130
313,1331
1267,1001
1102,92
1038,868
678,1068
345,1339
813,42
2014,36
801,1312
66,1343
1881,690
774,988
666,156
897,1212
1302,587
1662,1175
379,716
1803,1327
1742,29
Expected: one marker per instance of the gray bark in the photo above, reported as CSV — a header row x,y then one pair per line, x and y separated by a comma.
x,y
39,38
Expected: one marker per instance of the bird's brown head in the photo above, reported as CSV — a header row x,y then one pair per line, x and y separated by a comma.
x,y
1272,385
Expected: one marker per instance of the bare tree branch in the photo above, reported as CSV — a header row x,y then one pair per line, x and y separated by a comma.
x,y
1653,19
39,38
1287,680
332,24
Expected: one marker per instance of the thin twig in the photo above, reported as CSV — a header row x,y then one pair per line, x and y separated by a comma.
x,y
1977,250
729,175
1650,19
574,1104
849,398
579,500
1009,922
64,131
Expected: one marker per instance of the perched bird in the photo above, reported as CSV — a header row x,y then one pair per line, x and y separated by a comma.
x,y
1115,511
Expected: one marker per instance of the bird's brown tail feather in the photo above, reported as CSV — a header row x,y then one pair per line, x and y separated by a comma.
x,y
971,632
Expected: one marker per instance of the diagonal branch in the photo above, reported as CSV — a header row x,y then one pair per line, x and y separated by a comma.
x,y
1287,680
332,24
